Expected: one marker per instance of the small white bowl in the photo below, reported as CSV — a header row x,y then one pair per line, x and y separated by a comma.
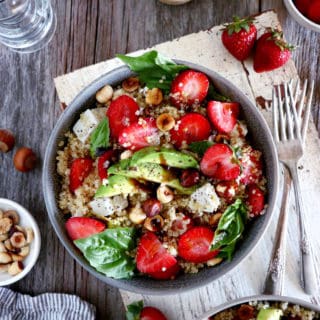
x,y
299,17
26,220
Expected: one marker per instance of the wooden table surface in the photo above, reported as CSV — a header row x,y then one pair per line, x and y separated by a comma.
x,y
90,31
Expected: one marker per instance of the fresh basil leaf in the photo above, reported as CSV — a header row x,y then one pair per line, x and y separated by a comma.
x,y
213,94
107,252
100,137
200,147
134,310
153,69
230,228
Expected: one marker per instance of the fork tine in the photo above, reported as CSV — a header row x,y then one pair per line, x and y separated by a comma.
x,y
306,115
281,115
296,119
302,97
287,104
296,91
275,115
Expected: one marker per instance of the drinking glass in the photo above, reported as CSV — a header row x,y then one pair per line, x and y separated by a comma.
x,y
26,25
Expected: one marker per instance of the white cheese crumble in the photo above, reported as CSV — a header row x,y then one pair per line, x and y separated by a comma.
x,y
108,205
204,199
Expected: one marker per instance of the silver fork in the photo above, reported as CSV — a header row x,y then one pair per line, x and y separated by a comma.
x,y
289,133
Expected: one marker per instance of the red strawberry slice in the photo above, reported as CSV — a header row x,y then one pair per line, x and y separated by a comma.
x,y
122,112
239,37
152,258
251,164
151,313
227,190
83,227
218,163
223,115
190,128
313,11
103,164
255,200
170,273
303,5
194,245
80,169
189,87
141,134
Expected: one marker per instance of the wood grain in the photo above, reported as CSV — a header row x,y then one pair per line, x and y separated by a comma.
x,y
91,31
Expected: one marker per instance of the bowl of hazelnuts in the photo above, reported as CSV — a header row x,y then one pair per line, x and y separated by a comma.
x,y
19,242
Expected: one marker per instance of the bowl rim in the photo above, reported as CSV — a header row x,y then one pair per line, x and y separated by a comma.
x,y
299,17
37,240
263,297
125,285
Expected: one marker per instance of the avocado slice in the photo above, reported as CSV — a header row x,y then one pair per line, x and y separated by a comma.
x,y
164,156
269,314
117,184
151,172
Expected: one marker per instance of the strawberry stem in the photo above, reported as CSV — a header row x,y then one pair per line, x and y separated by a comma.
x,y
239,24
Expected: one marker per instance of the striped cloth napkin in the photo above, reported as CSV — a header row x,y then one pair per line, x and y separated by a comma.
x,y
47,306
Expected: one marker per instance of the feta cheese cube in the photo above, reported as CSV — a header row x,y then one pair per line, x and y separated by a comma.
x,y
204,199
108,205
88,121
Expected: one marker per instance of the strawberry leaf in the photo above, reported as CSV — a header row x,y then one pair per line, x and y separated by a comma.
x,y
134,310
100,137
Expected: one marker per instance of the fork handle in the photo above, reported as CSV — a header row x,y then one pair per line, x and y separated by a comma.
x,y
308,272
275,277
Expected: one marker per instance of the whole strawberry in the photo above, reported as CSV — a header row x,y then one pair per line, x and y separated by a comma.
x,y
271,52
239,37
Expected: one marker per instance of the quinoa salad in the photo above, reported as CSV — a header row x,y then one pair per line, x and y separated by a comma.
x,y
158,176
263,310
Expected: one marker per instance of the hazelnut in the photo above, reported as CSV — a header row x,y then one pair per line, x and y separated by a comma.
x,y
214,261
24,251
6,140
13,215
5,225
154,97
15,268
5,257
246,312
164,194
165,122
154,224
24,160
18,240
131,84
136,215
152,207
29,235
104,94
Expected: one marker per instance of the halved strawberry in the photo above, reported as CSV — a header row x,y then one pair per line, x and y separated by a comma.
x,y
80,169
313,11
190,128
122,112
194,245
103,164
303,5
141,134
189,87
152,258
151,313
251,164
255,200
223,115
218,162
167,274
83,227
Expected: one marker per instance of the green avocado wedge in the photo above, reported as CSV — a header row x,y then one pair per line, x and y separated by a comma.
x,y
164,156
150,172
117,184
269,314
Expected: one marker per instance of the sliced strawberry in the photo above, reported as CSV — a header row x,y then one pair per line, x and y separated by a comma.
x,y
303,5
80,169
189,87
103,164
83,227
141,134
313,11
218,163
239,37
152,257
251,165
194,245
170,273
190,128
227,190
255,200
151,313
223,115
122,112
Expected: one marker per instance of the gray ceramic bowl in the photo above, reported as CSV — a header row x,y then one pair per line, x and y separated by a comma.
x,y
267,298
261,138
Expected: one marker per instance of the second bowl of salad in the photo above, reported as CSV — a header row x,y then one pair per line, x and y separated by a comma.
x,y
160,176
